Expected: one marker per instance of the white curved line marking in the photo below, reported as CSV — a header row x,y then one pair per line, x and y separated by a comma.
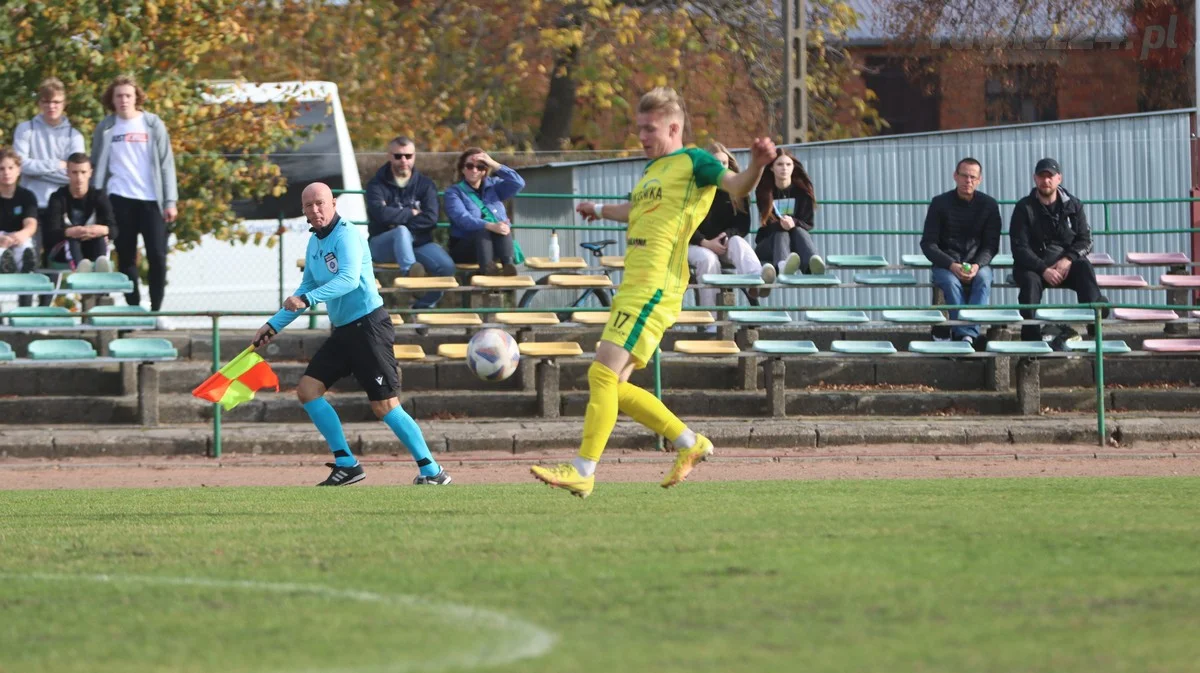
x,y
523,640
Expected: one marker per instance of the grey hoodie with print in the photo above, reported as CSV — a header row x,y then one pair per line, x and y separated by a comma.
x,y
160,150
41,148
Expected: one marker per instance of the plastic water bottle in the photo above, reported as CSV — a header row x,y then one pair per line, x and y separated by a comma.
x,y
554,252
966,267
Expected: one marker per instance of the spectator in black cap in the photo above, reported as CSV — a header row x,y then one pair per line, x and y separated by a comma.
x,y
1050,241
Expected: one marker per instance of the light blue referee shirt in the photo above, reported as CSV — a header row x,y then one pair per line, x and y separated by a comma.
x,y
337,271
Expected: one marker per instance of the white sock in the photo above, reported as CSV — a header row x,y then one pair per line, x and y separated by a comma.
x,y
586,467
686,440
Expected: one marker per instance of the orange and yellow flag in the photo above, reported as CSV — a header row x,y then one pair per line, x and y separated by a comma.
x,y
236,382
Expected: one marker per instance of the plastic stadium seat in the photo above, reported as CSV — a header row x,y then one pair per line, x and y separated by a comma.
x,y
917,261
760,317
915,317
142,349
613,261
1002,260
590,317
578,280
96,282
527,318
24,282
61,349
1172,280
502,282
1157,258
692,318
441,319
885,279
1065,315
425,283
1089,346
453,351
1143,314
857,261
836,317
100,318
1101,259
1019,347
544,263
550,349
863,347
707,347
1172,345
397,319
41,316
1113,280
408,352
941,347
732,279
6,352
776,347
989,315
802,279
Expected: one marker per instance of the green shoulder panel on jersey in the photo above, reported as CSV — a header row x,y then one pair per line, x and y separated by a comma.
x,y
705,167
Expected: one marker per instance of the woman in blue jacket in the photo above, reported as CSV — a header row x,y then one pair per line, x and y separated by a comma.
x,y
480,232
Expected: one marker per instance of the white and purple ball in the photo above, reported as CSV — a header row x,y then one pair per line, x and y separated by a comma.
x,y
493,355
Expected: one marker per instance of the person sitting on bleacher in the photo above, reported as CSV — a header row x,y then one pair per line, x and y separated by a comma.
x,y
402,213
80,221
786,203
962,235
721,237
480,232
18,217
1050,240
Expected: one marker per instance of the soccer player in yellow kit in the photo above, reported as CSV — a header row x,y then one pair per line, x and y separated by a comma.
x,y
668,204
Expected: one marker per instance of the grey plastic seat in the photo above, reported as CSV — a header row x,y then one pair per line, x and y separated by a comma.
x,y
779,347
809,279
95,282
142,349
915,317
100,318
41,316
24,282
863,347
760,317
835,317
941,347
1019,347
61,349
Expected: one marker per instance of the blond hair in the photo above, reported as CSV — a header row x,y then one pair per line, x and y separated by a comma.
x,y
51,87
666,101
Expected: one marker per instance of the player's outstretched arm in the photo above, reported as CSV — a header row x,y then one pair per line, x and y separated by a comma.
x,y
613,211
762,153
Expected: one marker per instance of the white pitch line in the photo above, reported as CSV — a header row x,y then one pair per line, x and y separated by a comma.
x,y
522,639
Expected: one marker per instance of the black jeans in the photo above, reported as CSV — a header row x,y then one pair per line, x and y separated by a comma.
x,y
141,217
484,248
1031,284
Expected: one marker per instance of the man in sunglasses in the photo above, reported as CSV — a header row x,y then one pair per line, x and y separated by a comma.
x,y
402,212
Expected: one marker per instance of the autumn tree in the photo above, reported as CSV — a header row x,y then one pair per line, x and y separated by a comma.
x,y
220,150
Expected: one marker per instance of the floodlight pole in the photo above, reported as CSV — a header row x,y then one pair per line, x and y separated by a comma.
x,y
795,71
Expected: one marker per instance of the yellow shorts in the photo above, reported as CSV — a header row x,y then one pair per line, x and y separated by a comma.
x,y
638,320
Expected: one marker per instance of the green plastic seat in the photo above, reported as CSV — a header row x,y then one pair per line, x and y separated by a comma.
x,y
857,261
95,282
834,317
777,347
885,279
802,279
941,347
989,315
732,279
916,261
61,349
864,347
6,352
915,317
1064,315
760,317
100,318
1116,346
24,282
1019,347
142,349
41,316
1003,260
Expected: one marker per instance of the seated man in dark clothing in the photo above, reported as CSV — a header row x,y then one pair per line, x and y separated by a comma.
x,y
79,221
962,235
1050,241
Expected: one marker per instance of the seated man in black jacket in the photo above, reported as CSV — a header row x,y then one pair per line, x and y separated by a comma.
x,y
962,234
1050,242
79,220
402,212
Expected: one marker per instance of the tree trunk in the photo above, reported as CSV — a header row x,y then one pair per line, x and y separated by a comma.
x,y
555,131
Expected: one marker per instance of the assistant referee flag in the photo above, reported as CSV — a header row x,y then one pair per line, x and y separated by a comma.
x,y
236,382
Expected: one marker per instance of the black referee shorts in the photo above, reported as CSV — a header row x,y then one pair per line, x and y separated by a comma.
x,y
362,348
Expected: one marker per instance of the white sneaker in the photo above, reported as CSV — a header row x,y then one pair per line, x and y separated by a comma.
x,y
816,265
103,265
84,267
791,265
768,277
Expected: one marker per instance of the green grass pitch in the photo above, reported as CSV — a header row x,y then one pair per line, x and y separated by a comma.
x,y
1054,575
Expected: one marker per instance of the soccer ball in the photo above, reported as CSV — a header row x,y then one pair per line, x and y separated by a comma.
x,y
493,355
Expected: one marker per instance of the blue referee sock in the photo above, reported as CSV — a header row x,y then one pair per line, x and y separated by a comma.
x,y
409,434
326,419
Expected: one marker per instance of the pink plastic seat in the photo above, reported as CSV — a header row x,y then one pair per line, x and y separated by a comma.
x,y
1172,345
1157,258
1171,280
1101,259
1144,314
1107,280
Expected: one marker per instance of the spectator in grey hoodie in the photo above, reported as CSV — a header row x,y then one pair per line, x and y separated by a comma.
x,y
44,143
134,164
